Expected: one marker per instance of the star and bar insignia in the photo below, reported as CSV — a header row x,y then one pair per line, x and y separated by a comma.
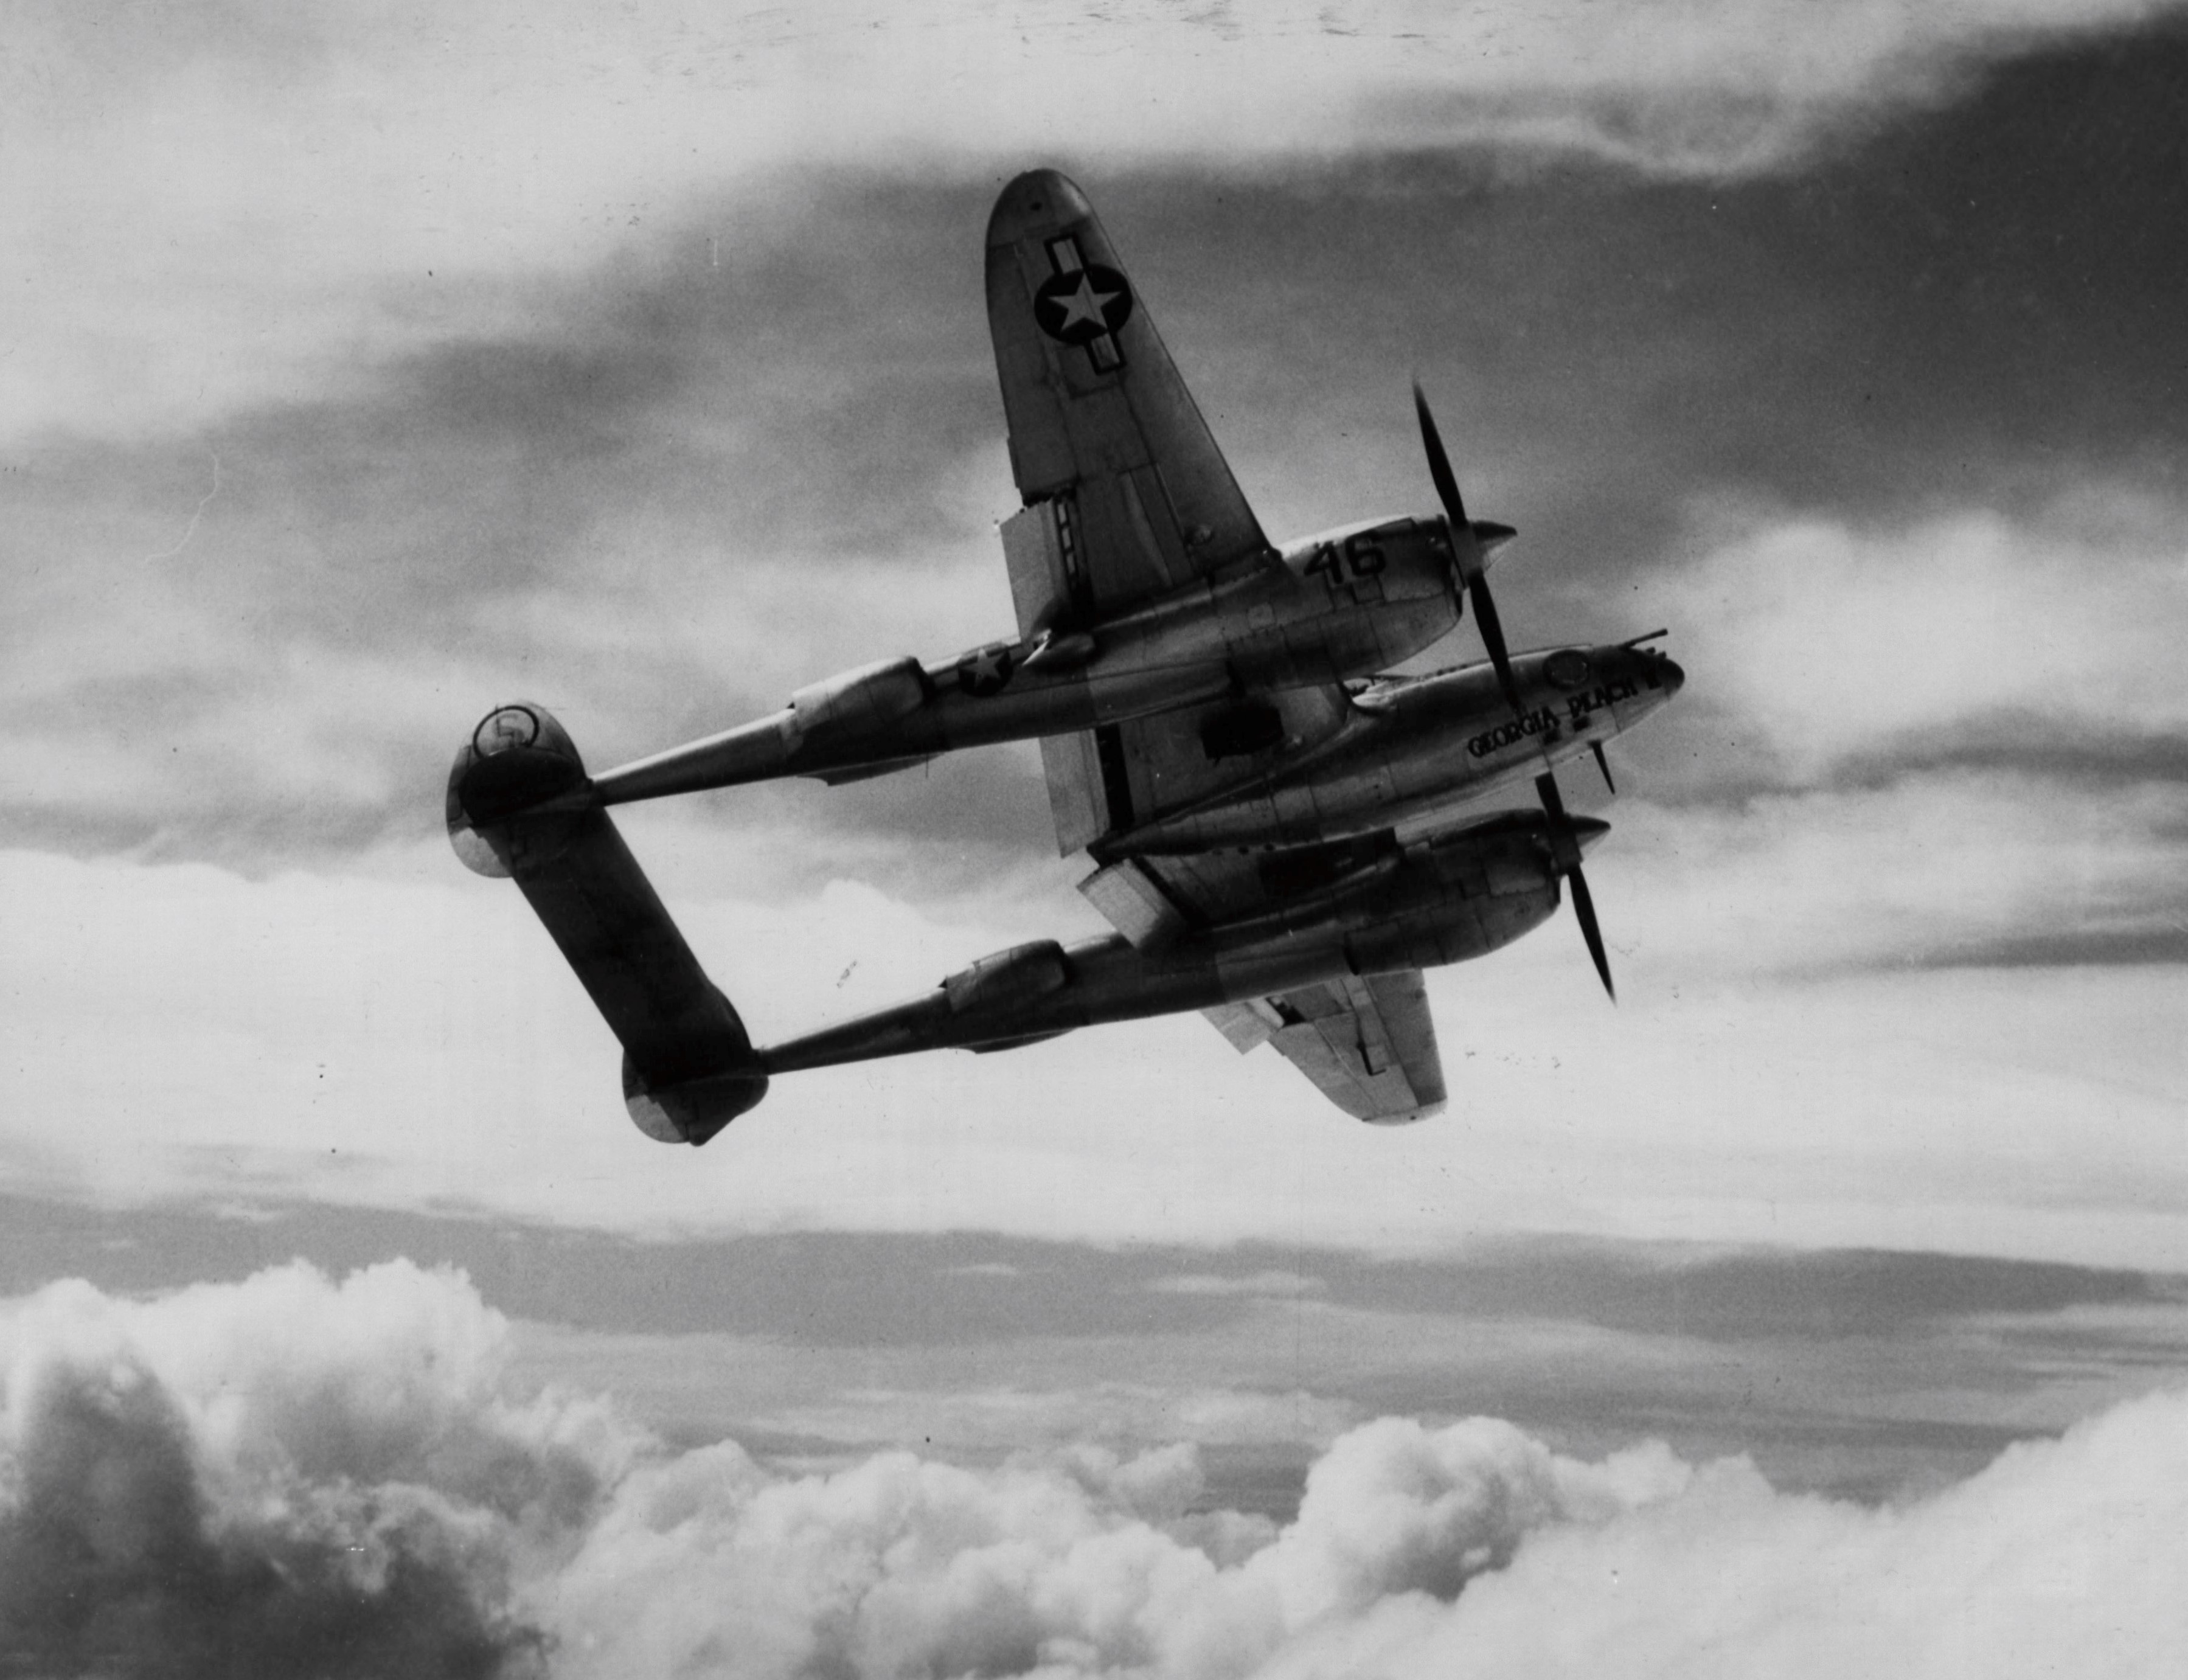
x,y
984,671
1083,305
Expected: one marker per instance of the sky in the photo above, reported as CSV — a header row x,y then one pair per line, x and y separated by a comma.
x,y
367,365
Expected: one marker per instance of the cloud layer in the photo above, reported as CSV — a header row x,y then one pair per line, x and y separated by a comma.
x,y
443,1059
296,1474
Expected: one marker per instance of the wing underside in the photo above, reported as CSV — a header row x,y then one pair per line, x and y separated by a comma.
x,y
1104,436
1367,1043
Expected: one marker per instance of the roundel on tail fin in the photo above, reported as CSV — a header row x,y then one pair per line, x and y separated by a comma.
x,y
1083,304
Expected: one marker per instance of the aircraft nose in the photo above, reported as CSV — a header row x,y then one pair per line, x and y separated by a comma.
x,y
1669,673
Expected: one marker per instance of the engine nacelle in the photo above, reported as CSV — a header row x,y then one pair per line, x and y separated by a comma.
x,y
856,703
1017,975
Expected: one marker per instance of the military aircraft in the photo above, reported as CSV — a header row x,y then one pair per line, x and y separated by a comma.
x,y
1284,835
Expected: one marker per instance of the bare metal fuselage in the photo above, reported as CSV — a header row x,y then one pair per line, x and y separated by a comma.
x,y
1409,751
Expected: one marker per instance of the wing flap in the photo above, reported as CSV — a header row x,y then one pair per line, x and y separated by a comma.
x,y
1037,555
1135,902
1151,899
1248,1024
1071,763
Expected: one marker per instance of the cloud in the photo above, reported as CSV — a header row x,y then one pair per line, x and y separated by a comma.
x,y
1950,866
1955,740
789,445
997,1419
369,162
409,1039
1830,642
1276,1283
2035,1566
297,1474
287,1476
660,486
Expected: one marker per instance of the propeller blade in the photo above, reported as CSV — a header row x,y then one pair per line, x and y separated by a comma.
x,y
1469,546
1546,790
1492,635
1565,848
1584,912
1440,465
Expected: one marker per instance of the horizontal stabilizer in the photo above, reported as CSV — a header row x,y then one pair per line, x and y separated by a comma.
x,y
688,1063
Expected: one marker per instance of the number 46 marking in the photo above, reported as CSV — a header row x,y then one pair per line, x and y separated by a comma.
x,y
1361,558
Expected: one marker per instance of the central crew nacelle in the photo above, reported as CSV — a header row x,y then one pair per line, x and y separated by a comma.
x,y
1341,604
1411,749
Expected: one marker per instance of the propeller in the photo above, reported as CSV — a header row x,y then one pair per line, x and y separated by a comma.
x,y
1471,541
1564,851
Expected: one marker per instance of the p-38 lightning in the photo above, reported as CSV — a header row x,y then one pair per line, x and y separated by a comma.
x,y
1283,835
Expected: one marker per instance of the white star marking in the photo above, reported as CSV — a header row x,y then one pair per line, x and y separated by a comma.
x,y
1083,305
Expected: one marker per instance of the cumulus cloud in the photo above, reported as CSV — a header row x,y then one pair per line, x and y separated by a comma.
x,y
289,1476
292,1475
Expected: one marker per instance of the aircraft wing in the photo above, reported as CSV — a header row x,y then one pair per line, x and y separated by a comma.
x,y
1127,494
1366,1042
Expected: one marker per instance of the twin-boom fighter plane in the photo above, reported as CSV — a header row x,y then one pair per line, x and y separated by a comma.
x,y
1282,835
